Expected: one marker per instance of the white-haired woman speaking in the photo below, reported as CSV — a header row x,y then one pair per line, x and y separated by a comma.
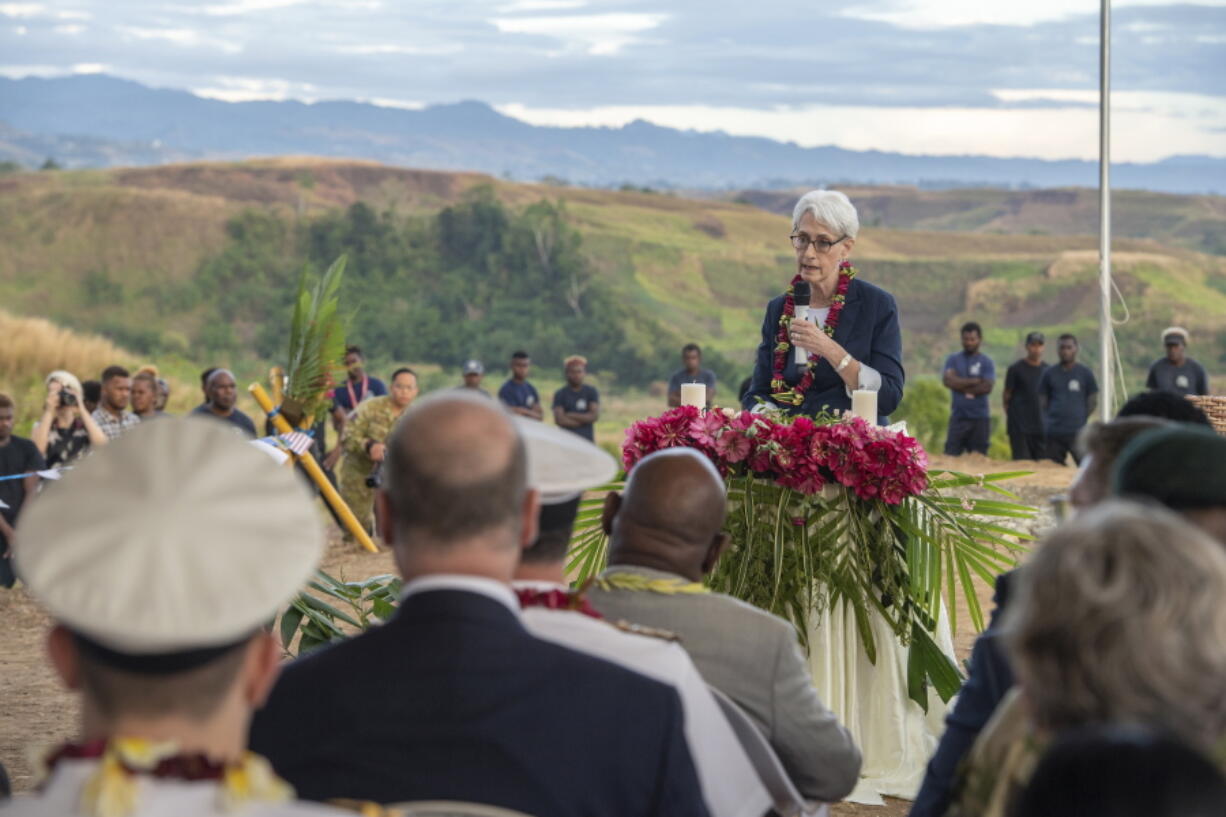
x,y
852,339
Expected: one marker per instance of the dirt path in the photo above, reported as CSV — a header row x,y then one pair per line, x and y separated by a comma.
x,y
36,712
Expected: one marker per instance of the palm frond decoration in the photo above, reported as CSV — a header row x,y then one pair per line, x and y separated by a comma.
x,y
316,346
796,554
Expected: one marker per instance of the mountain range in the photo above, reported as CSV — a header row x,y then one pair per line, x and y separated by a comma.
x,y
95,120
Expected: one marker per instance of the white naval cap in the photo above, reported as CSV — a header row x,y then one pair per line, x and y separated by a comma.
x,y
178,536
562,465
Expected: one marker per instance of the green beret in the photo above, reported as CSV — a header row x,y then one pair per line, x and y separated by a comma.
x,y
1183,467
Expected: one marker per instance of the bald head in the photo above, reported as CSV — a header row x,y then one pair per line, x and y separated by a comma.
x,y
671,514
456,472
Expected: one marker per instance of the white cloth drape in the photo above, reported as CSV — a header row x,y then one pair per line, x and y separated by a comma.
x,y
894,734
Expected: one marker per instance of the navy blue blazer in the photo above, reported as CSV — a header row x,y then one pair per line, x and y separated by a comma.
x,y
453,700
989,677
868,330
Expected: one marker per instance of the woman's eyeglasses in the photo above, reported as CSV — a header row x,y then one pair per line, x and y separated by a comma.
x,y
801,241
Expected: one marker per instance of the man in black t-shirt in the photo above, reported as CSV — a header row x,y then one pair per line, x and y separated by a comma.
x,y
17,456
1069,394
691,371
1177,373
576,406
1021,402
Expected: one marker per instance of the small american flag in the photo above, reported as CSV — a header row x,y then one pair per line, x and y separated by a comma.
x,y
296,441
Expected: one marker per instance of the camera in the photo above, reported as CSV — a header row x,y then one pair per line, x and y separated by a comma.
x,y
67,398
375,478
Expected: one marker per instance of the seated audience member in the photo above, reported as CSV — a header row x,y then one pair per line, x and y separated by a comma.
x,y
1092,606
665,536
452,699
112,414
1101,445
561,465
1122,771
990,676
1184,468
18,456
91,391
159,626
145,394
1166,405
67,429
221,394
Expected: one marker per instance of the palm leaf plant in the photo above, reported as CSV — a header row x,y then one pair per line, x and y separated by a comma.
x,y
332,610
316,346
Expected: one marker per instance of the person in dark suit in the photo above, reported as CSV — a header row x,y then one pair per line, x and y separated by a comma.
x,y
854,334
989,677
452,699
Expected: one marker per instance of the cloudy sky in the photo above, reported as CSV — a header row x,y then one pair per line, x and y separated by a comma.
x,y
995,77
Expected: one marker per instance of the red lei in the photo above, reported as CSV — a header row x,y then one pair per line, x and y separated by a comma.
x,y
779,388
191,767
556,600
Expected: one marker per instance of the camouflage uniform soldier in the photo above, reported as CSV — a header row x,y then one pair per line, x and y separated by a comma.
x,y
363,444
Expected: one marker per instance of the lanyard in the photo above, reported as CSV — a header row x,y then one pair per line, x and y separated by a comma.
x,y
353,400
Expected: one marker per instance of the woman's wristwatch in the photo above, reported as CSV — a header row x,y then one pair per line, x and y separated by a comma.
x,y
844,363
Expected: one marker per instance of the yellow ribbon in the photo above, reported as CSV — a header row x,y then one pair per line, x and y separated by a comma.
x,y
638,583
113,791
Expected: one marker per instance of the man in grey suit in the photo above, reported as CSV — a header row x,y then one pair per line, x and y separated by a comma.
x,y
665,534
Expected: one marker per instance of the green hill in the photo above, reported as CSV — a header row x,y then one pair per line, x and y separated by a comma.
x,y
194,260
1192,222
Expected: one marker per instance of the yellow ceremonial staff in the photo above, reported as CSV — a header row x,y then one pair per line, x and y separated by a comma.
x,y
316,473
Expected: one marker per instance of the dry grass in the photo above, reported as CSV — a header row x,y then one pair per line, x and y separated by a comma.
x,y
33,346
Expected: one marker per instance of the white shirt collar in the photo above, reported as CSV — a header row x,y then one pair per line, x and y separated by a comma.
x,y
535,584
480,585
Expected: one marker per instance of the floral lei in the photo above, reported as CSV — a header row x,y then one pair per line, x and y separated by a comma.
x,y
556,600
779,387
113,789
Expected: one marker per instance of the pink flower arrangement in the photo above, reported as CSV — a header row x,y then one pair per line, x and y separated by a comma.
x,y
796,453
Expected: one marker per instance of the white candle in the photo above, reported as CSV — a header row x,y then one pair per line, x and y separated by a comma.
x,y
694,394
864,405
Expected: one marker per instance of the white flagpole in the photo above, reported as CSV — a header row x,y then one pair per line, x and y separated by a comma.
x,y
1105,335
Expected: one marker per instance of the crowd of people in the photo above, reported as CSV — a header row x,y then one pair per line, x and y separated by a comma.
x,y
496,683
499,689
1046,406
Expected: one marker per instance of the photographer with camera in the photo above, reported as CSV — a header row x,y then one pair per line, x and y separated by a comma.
x,y
66,430
363,445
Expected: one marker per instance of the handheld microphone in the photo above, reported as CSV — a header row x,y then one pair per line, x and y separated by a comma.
x,y
800,299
